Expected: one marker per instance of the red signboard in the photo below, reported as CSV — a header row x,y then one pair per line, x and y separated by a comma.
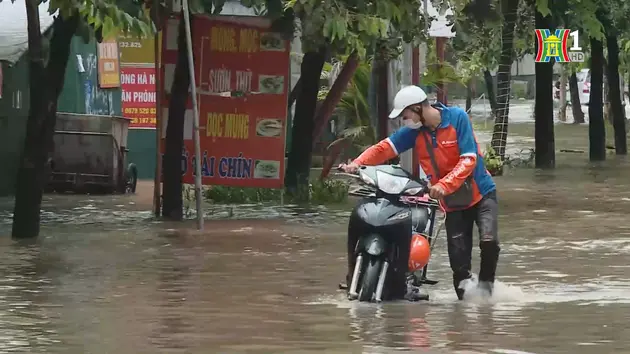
x,y
241,69
138,96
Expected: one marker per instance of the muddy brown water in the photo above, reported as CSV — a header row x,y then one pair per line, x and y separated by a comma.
x,y
106,278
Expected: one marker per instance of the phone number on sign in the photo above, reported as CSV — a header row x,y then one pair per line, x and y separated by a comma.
x,y
134,110
130,45
143,121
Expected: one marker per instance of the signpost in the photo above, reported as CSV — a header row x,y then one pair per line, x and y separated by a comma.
x,y
193,86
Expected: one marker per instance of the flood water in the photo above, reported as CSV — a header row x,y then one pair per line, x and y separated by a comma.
x,y
105,278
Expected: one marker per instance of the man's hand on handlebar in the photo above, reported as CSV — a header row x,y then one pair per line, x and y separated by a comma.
x,y
350,167
436,192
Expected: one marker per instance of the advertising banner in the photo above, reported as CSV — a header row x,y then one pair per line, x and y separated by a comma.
x,y
241,68
108,64
138,96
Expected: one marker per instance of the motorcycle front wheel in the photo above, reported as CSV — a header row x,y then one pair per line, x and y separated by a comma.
x,y
369,280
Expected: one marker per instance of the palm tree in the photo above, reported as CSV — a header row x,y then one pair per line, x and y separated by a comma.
x,y
353,110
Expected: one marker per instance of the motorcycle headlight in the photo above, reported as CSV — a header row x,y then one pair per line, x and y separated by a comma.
x,y
391,184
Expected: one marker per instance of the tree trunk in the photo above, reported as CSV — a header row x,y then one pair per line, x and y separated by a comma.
x,y
562,114
492,98
616,107
334,95
545,151
469,94
576,106
294,93
500,132
596,129
172,203
299,160
40,127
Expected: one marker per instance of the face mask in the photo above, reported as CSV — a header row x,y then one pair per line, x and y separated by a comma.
x,y
409,123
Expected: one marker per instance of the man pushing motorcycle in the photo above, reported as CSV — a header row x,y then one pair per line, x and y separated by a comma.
x,y
449,154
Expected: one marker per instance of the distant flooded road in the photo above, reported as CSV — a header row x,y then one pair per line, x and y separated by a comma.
x,y
104,278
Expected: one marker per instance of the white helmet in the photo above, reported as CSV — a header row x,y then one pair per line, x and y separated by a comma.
x,y
407,96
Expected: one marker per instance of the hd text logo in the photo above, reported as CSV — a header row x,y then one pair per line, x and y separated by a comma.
x,y
556,46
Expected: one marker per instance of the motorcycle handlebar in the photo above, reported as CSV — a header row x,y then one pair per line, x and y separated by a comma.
x,y
425,190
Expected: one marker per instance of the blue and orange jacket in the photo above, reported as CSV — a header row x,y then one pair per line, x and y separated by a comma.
x,y
455,147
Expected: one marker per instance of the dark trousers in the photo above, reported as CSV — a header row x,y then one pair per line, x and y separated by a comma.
x,y
459,234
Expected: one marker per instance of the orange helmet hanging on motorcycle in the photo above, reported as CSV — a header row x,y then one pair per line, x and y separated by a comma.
x,y
420,252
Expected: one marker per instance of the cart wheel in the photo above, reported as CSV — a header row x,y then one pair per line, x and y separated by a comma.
x,y
132,178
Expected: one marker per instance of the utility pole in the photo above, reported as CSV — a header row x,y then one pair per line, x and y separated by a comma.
x,y
193,89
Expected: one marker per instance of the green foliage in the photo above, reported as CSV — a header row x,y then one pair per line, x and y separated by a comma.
x,y
353,110
353,106
106,17
495,165
579,15
493,161
329,191
543,7
354,102
476,46
524,34
445,73
624,54
222,194
349,26
319,192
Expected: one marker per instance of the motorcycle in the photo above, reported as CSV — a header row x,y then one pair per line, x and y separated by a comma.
x,y
393,199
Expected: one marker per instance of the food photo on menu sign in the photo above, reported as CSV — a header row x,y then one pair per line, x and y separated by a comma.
x,y
272,42
269,127
267,169
273,84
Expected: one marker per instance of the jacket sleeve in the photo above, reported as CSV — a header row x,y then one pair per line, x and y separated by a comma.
x,y
467,155
376,154
402,140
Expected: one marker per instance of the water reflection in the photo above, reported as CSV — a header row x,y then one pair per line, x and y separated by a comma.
x,y
173,287
389,326
105,277
25,284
